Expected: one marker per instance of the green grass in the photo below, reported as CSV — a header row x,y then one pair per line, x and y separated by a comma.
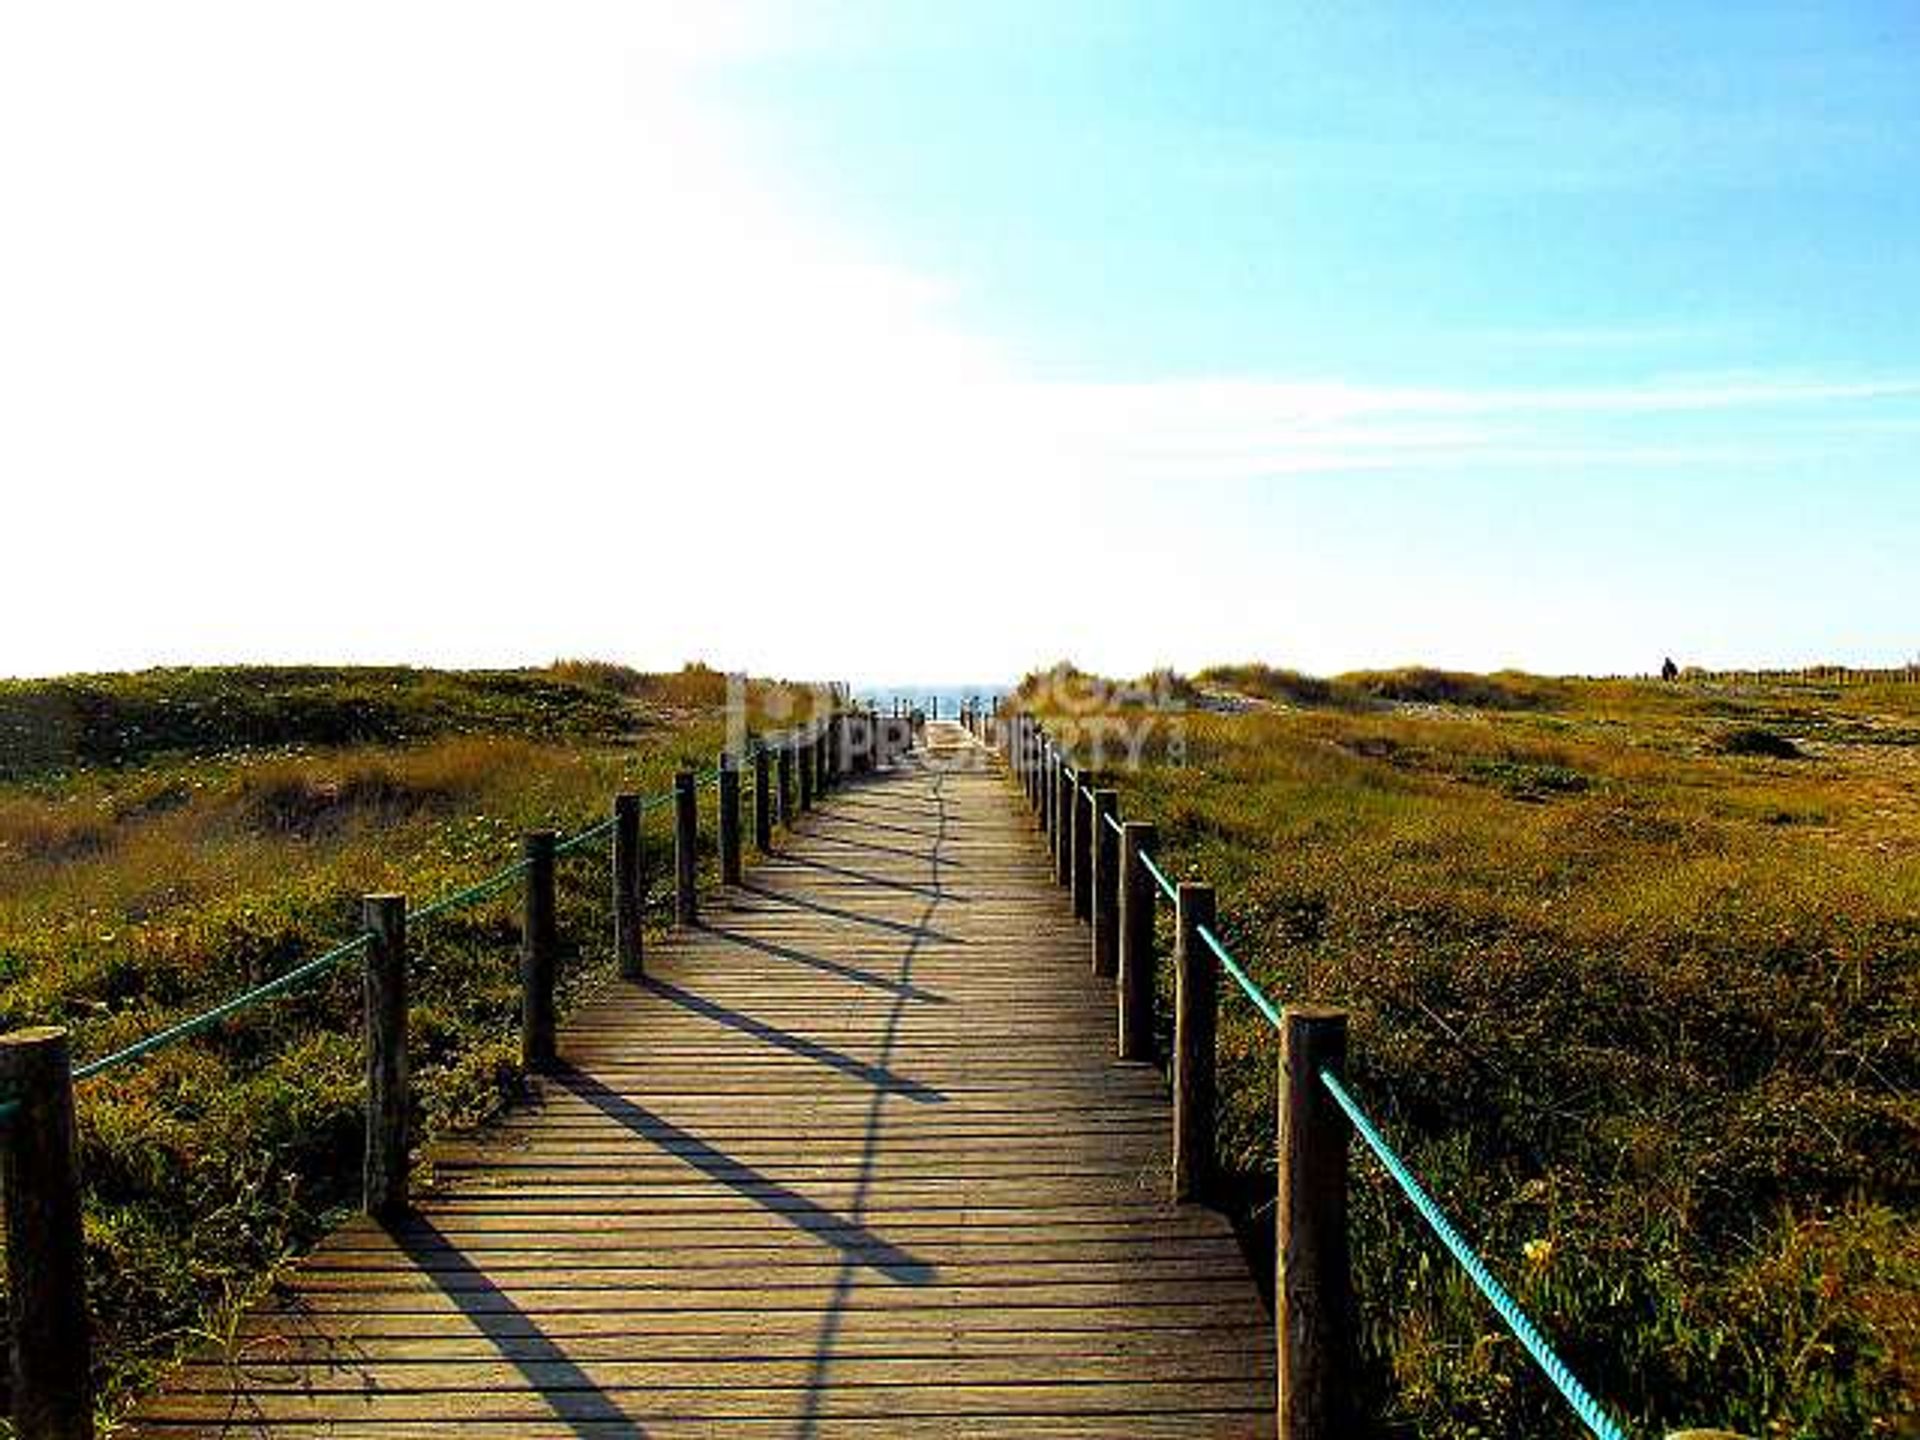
x,y
1642,1005
171,838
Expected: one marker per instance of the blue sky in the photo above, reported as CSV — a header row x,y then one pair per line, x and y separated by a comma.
x,y
1561,336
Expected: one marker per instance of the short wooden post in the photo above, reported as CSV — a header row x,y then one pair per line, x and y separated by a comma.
x,y
627,916
1313,1282
729,826
539,948
803,763
1083,850
762,802
686,849
46,1252
1106,879
1137,897
1050,783
817,757
1043,780
783,767
1063,808
1036,763
1195,998
383,1174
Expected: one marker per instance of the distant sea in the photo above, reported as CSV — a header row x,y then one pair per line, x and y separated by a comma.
x,y
943,699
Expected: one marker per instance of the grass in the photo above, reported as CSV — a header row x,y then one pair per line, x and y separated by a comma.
x,y
171,838
1639,998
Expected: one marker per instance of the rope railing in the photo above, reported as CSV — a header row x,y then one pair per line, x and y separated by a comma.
x,y
583,837
207,1019
292,979
1584,1405
1253,992
1029,756
473,894
1167,887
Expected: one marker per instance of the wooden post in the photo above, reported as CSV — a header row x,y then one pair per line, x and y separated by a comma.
x,y
627,916
1050,794
1313,1283
383,1174
46,1252
1106,877
539,944
686,841
783,768
1137,897
1083,849
817,757
803,762
762,802
1063,808
729,819
1030,763
1195,998
1036,770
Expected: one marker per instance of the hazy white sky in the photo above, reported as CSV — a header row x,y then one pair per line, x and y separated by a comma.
x,y
484,333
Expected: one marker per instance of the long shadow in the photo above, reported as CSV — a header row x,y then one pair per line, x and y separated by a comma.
x,y
565,1388
822,834
916,933
834,1316
861,1247
882,1079
847,817
878,881
829,967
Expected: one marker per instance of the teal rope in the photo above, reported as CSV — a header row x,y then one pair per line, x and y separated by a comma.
x,y
1159,876
1584,1405
590,834
492,885
1254,992
207,1019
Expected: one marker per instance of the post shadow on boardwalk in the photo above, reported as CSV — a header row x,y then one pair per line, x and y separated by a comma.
x,y
860,1245
922,933
881,1078
822,834
837,968
878,882
567,1390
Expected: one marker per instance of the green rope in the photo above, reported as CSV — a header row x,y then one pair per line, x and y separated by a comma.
x,y
207,1019
1159,876
1584,1405
584,837
492,885
1254,992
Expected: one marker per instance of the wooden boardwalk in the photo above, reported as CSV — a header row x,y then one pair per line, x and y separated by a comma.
x,y
854,1160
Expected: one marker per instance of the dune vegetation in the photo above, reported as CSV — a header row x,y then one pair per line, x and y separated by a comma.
x,y
1634,972
171,838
